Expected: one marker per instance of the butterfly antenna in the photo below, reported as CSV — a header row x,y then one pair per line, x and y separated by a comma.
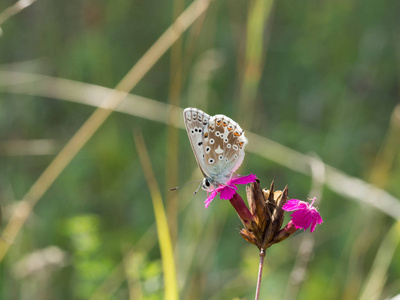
x,y
195,192
178,187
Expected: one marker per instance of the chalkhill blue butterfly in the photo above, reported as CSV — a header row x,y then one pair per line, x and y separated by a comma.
x,y
218,145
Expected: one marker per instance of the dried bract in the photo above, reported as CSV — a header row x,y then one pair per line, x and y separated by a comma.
x,y
266,207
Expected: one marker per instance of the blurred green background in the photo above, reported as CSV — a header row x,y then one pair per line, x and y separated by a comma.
x,y
319,77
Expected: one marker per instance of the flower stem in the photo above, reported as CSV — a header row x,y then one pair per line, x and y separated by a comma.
x,y
260,269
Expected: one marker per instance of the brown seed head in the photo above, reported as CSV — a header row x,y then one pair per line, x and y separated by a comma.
x,y
266,208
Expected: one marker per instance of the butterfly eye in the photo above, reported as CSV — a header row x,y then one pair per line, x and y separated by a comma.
x,y
235,147
212,141
236,157
228,146
217,133
226,140
220,157
208,149
211,161
207,183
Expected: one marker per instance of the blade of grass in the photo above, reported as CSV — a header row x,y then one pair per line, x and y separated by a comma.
x,y
83,93
361,240
13,10
259,15
373,286
385,159
337,181
379,176
92,124
164,238
172,133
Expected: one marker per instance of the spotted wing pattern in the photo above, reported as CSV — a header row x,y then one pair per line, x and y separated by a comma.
x,y
224,147
218,144
196,123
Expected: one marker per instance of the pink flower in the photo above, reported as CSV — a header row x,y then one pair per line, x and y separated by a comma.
x,y
226,191
304,214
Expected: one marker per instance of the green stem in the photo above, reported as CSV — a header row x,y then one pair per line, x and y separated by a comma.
x,y
260,269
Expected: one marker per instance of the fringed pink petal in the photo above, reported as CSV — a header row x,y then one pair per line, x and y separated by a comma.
x,y
227,192
317,220
293,204
313,224
304,214
210,198
243,179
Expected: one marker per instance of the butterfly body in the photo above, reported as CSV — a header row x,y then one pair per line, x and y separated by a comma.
x,y
218,145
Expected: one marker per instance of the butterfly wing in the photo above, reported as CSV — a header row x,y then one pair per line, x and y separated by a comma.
x,y
224,143
196,123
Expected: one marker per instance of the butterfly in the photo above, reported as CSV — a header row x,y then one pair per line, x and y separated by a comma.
x,y
218,145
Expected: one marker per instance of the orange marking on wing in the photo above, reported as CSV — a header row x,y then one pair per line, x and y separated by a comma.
x,y
236,133
240,145
206,134
219,122
225,123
